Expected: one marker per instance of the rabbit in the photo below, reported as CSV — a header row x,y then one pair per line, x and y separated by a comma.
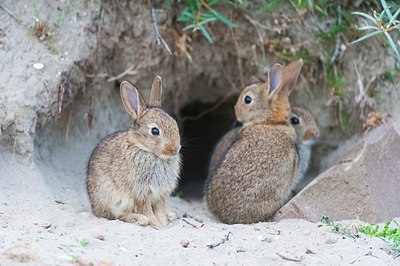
x,y
249,112
257,173
131,173
307,133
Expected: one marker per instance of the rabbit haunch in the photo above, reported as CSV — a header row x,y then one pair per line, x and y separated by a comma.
x,y
256,175
132,173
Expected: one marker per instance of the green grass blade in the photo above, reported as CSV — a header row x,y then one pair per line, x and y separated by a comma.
x,y
392,45
206,34
366,36
271,6
393,18
368,28
202,22
365,16
189,27
386,9
223,19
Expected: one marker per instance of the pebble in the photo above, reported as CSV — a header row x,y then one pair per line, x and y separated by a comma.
x,y
185,243
38,66
330,241
264,238
46,225
100,237
198,219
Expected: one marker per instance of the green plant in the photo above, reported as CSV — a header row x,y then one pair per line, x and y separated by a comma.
x,y
390,235
340,229
383,22
200,13
84,242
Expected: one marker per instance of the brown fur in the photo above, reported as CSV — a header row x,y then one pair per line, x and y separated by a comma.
x,y
255,177
131,173
307,133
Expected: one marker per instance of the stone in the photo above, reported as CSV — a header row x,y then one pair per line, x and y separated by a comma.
x,y
363,185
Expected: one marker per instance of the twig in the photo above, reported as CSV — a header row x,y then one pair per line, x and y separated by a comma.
x,y
195,226
222,241
288,258
159,38
68,127
127,72
9,13
101,75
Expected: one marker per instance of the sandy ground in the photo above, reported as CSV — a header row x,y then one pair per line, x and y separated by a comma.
x,y
46,224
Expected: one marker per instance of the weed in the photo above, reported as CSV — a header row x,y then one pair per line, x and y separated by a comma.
x,y
389,76
74,257
241,250
390,235
340,229
200,13
384,22
42,32
84,242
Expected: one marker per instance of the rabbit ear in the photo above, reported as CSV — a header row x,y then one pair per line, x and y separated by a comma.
x,y
275,80
290,74
156,92
132,100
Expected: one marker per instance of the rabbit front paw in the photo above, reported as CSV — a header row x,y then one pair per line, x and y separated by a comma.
x,y
171,216
136,218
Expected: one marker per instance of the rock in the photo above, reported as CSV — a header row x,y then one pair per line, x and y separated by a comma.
x,y
38,66
185,243
100,237
198,219
330,241
362,185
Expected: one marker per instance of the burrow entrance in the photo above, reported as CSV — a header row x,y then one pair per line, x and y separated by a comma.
x,y
202,125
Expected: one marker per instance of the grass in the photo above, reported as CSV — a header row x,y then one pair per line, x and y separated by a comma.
x,y
339,229
385,21
42,32
390,233
240,250
198,14
84,242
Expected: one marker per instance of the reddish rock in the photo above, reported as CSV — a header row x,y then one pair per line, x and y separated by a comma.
x,y
364,185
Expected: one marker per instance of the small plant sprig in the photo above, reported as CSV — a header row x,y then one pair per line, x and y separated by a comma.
x,y
382,22
340,229
390,235
199,13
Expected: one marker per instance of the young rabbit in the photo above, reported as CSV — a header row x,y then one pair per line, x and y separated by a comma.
x,y
132,173
257,173
248,110
307,133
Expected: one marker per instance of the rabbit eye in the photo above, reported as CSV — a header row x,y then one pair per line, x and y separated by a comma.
x,y
247,99
155,131
294,121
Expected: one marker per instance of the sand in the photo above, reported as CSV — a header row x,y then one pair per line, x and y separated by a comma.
x,y
45,219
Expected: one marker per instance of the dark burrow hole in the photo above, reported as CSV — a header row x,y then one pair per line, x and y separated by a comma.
x,y
203,125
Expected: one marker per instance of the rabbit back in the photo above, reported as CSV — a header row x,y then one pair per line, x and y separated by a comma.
x,y
255,176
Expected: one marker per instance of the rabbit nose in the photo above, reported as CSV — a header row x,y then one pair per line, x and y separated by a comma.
x,y
171,149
